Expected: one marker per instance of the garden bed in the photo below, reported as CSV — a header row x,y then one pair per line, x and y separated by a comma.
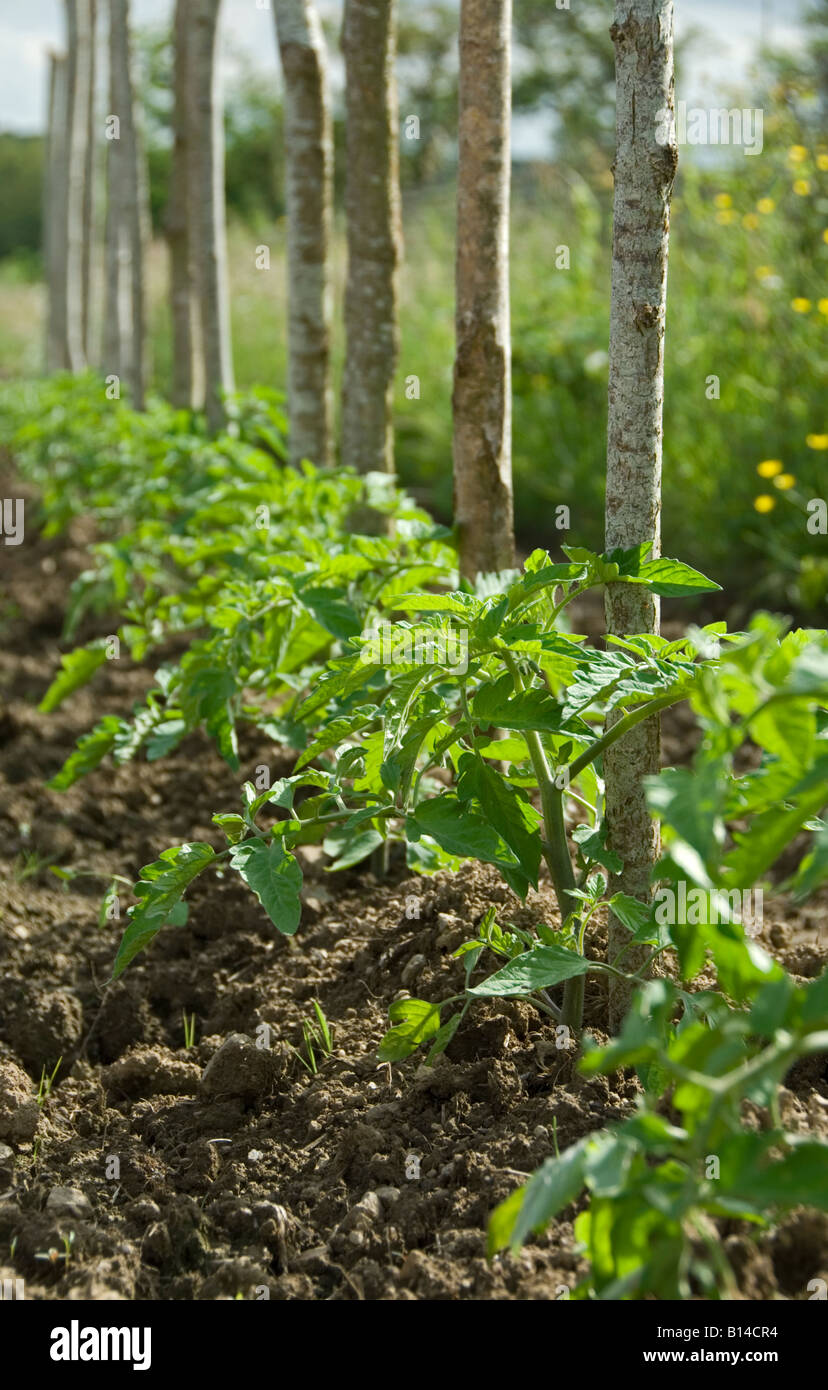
x,y
252,1176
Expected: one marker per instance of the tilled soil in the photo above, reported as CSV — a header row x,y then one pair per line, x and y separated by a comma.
x,y
229,1169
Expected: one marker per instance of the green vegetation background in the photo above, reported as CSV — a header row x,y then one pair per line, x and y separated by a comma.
x,y
748,301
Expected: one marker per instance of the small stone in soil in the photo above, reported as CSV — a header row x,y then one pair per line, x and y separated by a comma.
x,y
68,1201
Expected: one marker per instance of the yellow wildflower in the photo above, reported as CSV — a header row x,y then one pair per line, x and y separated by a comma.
x,y
765,205
822,161
802,188
800,305
797,153
769,468
764,503
817,441
784,481
750,221
823,306
723,200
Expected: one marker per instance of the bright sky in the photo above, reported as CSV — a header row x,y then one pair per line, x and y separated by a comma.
x,y
734,28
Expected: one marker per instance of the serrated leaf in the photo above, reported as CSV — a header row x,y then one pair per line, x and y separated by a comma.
x,y
464,833
593,848
460,604
91,750
159,890
548,576
512,815
275,877
336,732
497,703
634,915
78,667
772,831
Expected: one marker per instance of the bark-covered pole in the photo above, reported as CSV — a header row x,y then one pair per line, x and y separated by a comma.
x,y
483,505
127,230
54,214
79,49
374,234
182,226
645,166
208,156
116,336
309,177
90,171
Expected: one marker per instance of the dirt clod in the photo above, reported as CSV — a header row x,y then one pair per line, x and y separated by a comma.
x,y
240,1069
19,1111
68,1201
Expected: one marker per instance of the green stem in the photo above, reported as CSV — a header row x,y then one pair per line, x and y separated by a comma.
x,y
555,852
629,721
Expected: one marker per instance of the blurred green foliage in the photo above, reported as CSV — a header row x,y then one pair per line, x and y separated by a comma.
x,y
747,297
21,178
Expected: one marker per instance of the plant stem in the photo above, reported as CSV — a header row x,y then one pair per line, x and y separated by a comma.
x,y
629,721
555,852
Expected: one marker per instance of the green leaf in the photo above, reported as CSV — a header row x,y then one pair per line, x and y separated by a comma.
x,y
159,890
164,739
331,612
336,732
786,728
548,576
511,814
798,1180
772,830
426,857
349,847
275,878
491,619
503,1220
607,1165
669,578
497,703
79,667
340,680
460,604
743,966
206,695
443,1037
774,1005
557,1183
539,968
456,829
416,1021
593,847
690,802
235,827
643,1032
813,869
815,1004
91,750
